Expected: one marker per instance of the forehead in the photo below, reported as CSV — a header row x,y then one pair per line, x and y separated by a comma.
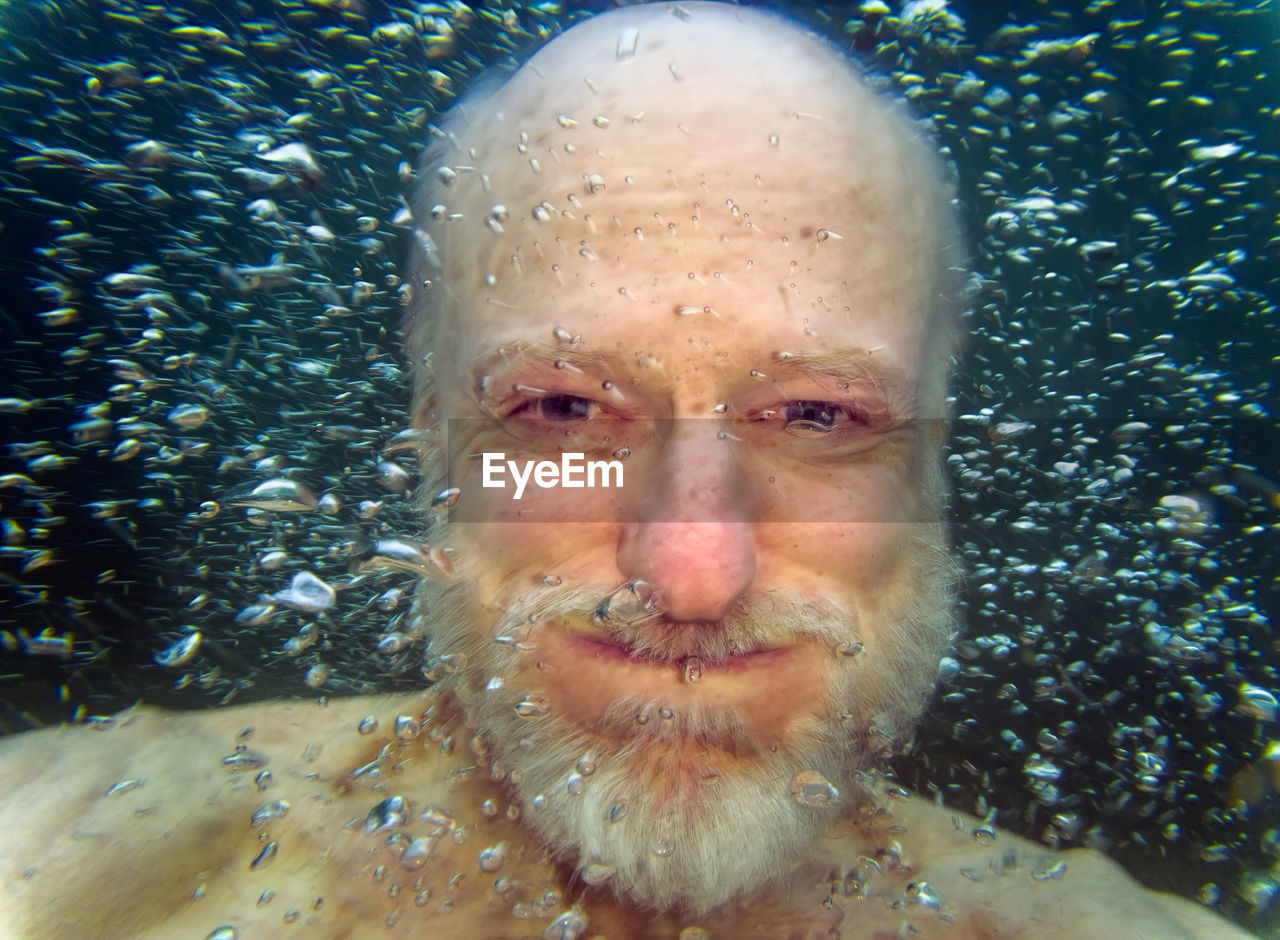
x,y
720,163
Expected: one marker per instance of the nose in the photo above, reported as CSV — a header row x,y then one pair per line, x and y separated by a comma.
x,y
690,540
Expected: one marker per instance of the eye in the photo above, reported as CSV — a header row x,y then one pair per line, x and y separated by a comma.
x,y
815,418
557,408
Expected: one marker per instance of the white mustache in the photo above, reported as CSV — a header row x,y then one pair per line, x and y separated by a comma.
x,y
771,620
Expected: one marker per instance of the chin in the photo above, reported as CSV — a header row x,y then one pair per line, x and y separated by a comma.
x,y
682,814
674,804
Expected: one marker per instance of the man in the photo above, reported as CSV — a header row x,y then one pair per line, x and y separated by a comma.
x,y
685,240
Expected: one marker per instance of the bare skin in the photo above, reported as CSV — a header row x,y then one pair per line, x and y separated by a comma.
x,y
80,861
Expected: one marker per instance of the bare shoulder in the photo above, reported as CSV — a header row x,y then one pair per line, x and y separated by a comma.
x,y
114,829
953,869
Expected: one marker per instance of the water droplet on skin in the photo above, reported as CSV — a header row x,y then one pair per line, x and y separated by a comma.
x,y
628,37
533,706
274,810
1050,872
631,604
406,728
922,893
385,816
617,811
264,858
825,233
571,925
445,499
415,854
421,898
667,712
692,670
493,858
264,780
539,802
810,788
586,765
663,843
595,875
773,140
574,784
489,809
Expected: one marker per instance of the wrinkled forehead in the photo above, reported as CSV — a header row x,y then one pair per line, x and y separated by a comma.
x,y
706,101
644,149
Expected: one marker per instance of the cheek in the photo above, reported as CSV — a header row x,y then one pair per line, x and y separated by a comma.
x,y
843,561
505,560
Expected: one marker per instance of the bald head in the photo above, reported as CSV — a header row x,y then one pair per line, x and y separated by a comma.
x,y
722,130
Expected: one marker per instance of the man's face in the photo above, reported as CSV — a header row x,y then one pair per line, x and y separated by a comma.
x,y
737,307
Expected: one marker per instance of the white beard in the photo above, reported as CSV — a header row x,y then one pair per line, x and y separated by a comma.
x,y
707,815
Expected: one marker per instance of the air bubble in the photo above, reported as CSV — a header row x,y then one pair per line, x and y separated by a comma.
x,y
493,858
415,854
386,815
810,788
596,875
663,842
692,670
533,706
773,140
627,40
632,603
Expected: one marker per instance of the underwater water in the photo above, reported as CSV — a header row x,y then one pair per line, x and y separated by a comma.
x,y
204,497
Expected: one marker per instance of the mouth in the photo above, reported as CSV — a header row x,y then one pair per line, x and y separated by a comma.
x,y
670,646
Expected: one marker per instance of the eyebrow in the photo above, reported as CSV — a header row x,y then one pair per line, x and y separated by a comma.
x,y
854,365
858,366
539,353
